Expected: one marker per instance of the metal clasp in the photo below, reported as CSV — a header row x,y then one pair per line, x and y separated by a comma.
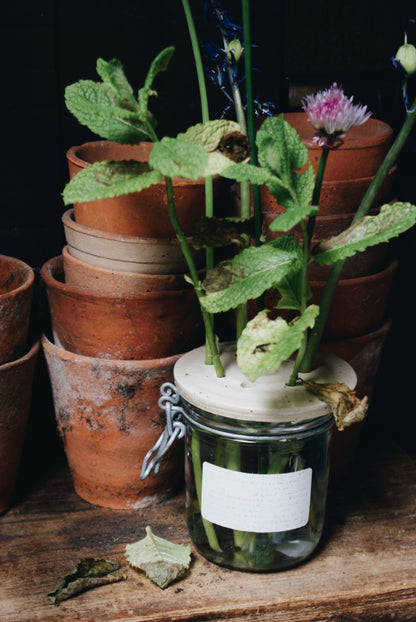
x,y
174,429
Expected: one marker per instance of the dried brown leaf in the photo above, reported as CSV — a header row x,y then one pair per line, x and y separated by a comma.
x,y
88,573
346,407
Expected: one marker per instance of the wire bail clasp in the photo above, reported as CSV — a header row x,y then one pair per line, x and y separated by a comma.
x,y
174,429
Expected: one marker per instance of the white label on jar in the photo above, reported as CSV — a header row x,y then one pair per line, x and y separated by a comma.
x,y
260,503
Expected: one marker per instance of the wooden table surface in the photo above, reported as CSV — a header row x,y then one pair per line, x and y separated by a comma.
x,y
365,569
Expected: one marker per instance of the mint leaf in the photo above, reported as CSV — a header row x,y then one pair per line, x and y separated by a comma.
x,y
290,219
391,221
290,292
280,148
254,175
177,158
159,64
112,74
209,135
161,560
248,275
106,179
266,343
94,106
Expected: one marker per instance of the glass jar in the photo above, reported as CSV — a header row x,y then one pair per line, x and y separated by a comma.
x,y
256,466
256,494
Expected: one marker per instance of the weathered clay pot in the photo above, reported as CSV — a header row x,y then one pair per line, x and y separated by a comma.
x,y
141,326
340,196
372,260
359,304
16,290
83,275
107,413
16,379
141,213
125,252
363,353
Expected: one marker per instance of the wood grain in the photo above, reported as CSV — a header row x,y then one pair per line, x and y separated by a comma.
x,y
365,569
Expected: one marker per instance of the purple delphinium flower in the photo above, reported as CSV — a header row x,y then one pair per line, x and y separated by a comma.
x,y
332,114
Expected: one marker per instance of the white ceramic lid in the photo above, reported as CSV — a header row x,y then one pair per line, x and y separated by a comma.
x,y
267,399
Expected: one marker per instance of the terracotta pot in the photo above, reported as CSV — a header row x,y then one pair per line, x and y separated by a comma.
x,y
358,157
359,304
125,252
16,290
141,326
108,415
372,260
141,213
83,275
340,196
364,354
16,379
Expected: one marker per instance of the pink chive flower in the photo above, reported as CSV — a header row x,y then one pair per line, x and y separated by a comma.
x,y
332,114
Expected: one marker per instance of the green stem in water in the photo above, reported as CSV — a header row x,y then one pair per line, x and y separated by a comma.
x,y
197,466
365,206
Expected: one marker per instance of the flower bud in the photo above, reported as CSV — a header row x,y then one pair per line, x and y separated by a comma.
x,y
234,50
406,54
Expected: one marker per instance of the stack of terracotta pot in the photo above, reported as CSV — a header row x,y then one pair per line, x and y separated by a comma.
x,y
17,366
121,315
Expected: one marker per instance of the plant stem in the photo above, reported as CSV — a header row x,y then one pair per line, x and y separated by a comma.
x,y
209,193
197,467
366,203
317,190
251,125
209,331
303,301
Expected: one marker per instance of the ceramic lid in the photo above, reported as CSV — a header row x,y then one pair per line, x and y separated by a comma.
x,y
267,399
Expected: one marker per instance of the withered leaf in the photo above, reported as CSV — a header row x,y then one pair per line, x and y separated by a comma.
x,y
235,146
89,573
217,232
346,407
161,560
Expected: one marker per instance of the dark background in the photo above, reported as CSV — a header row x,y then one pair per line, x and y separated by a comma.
x,y
48,44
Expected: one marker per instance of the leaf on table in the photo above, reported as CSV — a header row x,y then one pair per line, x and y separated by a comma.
x,y
89,573
161,560
347,408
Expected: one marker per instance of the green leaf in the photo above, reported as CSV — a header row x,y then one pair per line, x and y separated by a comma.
x,y
159,64
113,76
254,175
280,148
177,158
391,221
248,275
304,184
290,219
209,135
161,560
290,292
88,573
107,179
94,106
266,343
